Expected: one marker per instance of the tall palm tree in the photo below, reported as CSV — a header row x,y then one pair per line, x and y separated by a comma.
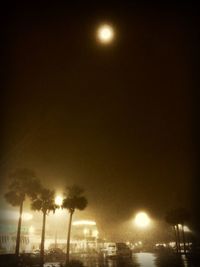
x,y
44,202
73,200
22,183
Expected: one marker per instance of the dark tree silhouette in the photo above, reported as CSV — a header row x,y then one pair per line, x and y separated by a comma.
x,y
177,218
22,183
171,218
44,202
183,216
73,200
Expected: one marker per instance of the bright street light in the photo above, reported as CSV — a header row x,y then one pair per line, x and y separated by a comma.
x,y
185,228
59,200
105,34
142,219
31,229
84,222
27,216
86,231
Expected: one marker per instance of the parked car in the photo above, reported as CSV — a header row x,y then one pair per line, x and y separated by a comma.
x,y
118,250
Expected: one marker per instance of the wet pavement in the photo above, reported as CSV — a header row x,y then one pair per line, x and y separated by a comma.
x,y
141,260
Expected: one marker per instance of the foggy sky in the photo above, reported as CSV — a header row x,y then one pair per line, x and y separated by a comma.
x,y
117,120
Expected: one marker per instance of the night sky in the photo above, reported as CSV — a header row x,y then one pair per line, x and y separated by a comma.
x,y
117,119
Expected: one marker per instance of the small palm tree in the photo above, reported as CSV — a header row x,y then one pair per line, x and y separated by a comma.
x,y
22,183
183,216
73,200
44,202
177,217
171,218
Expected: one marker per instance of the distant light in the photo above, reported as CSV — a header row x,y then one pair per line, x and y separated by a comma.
x,y
142,220
161,244
59,200
95,233
31,229
27,216
172,244
84,222
105,34
185,228
14,215
85,231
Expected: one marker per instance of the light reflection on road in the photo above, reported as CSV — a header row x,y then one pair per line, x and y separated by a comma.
x,y
145,259
139,260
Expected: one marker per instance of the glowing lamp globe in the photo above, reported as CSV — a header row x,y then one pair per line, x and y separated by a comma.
x,y
142,220
58,200
105,34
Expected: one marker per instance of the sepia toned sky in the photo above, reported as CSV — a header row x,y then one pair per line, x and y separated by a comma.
x,y
117,119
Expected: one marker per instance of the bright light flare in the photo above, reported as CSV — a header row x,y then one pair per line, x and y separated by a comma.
x,y
142,219
105,34
86,231
27,216
185,228
59,200
95,233
31,229
84,222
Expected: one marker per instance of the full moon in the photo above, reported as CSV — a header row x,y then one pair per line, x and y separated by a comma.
x,y
105,33
142,220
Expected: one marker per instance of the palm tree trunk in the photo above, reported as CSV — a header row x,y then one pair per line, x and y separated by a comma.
x,y
176,240
42,240
68,238
183,235
19,230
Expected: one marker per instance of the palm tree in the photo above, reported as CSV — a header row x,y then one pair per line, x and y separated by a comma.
x,y
73,200
171,218
177,217
22,183
44,202
182,217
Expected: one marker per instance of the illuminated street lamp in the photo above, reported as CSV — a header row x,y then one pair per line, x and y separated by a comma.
x,y
142,220
185,228
27,216
85,231
31,230
105,34
59,200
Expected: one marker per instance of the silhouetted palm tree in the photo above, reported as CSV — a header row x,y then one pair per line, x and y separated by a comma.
x,y
183,216
44,202
177,217
22,183
171,218
73,200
